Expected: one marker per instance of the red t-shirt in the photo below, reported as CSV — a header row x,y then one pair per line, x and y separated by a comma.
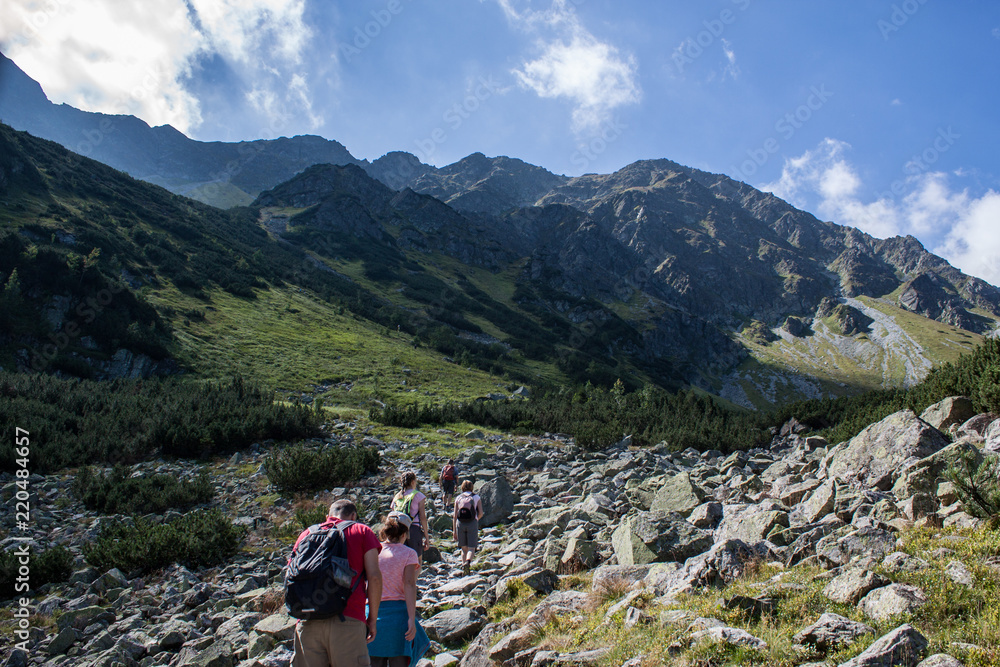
x,y
360,540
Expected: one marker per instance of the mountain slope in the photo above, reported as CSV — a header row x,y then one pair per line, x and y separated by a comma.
x,y
695,266
217,173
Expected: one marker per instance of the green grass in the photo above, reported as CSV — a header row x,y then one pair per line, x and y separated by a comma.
x,y
288,339
953,613
942,343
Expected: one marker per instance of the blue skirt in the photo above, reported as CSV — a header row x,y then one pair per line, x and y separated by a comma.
x,y
389,630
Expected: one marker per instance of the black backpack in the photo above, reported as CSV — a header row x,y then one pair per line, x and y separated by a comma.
x,y
466,508
318,578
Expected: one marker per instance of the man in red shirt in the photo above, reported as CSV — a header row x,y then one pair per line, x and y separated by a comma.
x,y
330,642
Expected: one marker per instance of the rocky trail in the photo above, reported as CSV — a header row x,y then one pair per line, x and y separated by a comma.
x,y
623,541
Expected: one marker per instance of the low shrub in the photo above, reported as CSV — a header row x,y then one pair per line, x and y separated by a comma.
x,y
118,493
199,539
298,468
311,516
49,567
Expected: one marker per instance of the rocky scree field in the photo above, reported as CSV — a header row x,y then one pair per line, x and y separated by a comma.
x,y
808,552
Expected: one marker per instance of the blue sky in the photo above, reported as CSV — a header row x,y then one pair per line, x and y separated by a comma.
x,y
877,114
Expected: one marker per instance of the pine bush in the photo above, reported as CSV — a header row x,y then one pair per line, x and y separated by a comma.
x,y
299,469
202,538
117,492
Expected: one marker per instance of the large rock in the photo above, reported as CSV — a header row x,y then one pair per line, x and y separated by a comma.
x,y
453,625
753,523
219,654
831,632
873,457
818,504
992,437
498,501
651,537
951,411
900,648
281,626
726,635
892,600
851,585
724,562
81,618
677,494
477,654
924,475
834,550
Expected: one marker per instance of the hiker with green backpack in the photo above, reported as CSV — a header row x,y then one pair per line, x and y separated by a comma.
x,y
408,500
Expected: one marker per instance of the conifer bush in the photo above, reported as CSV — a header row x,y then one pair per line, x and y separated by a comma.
x,y
298,468
202,538
48,567
977,483
118,493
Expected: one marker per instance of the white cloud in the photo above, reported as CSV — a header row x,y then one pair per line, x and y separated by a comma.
x,y
732,69
973,243
594,76
135,58
951,223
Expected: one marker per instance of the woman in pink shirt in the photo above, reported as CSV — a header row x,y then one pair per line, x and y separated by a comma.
x,y
400,640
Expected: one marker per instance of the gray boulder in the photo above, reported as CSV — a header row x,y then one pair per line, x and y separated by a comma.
x,y
992,437
677,494
707,515
899,648
650,537
453,625
853,584
498,501
817,504
831,632
951,411
924,475
884,603
872,458
940,660
734,636
753,523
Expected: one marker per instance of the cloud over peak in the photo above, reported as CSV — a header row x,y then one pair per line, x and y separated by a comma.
x,y
574,65
127,58
955,225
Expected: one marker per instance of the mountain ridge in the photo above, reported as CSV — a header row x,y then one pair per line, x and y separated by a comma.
x,y
673,267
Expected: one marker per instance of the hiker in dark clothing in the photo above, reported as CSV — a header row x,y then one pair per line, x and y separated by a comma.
x,y
449,479
465,523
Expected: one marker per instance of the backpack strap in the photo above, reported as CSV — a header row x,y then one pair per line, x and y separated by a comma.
x,y
340,528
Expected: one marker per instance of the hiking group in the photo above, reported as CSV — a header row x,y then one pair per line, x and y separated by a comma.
x,y
355,594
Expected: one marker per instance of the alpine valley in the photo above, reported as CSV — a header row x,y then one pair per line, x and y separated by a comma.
x,y
133,251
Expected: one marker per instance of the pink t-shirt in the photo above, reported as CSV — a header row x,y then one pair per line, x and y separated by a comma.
x,y
392,560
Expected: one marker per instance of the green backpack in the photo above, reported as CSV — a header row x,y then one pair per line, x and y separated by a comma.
x,y
403,504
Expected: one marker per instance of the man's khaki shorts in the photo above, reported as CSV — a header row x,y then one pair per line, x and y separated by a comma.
x,y
331,642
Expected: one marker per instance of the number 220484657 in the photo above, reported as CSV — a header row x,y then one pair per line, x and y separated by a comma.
x,y
22,452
